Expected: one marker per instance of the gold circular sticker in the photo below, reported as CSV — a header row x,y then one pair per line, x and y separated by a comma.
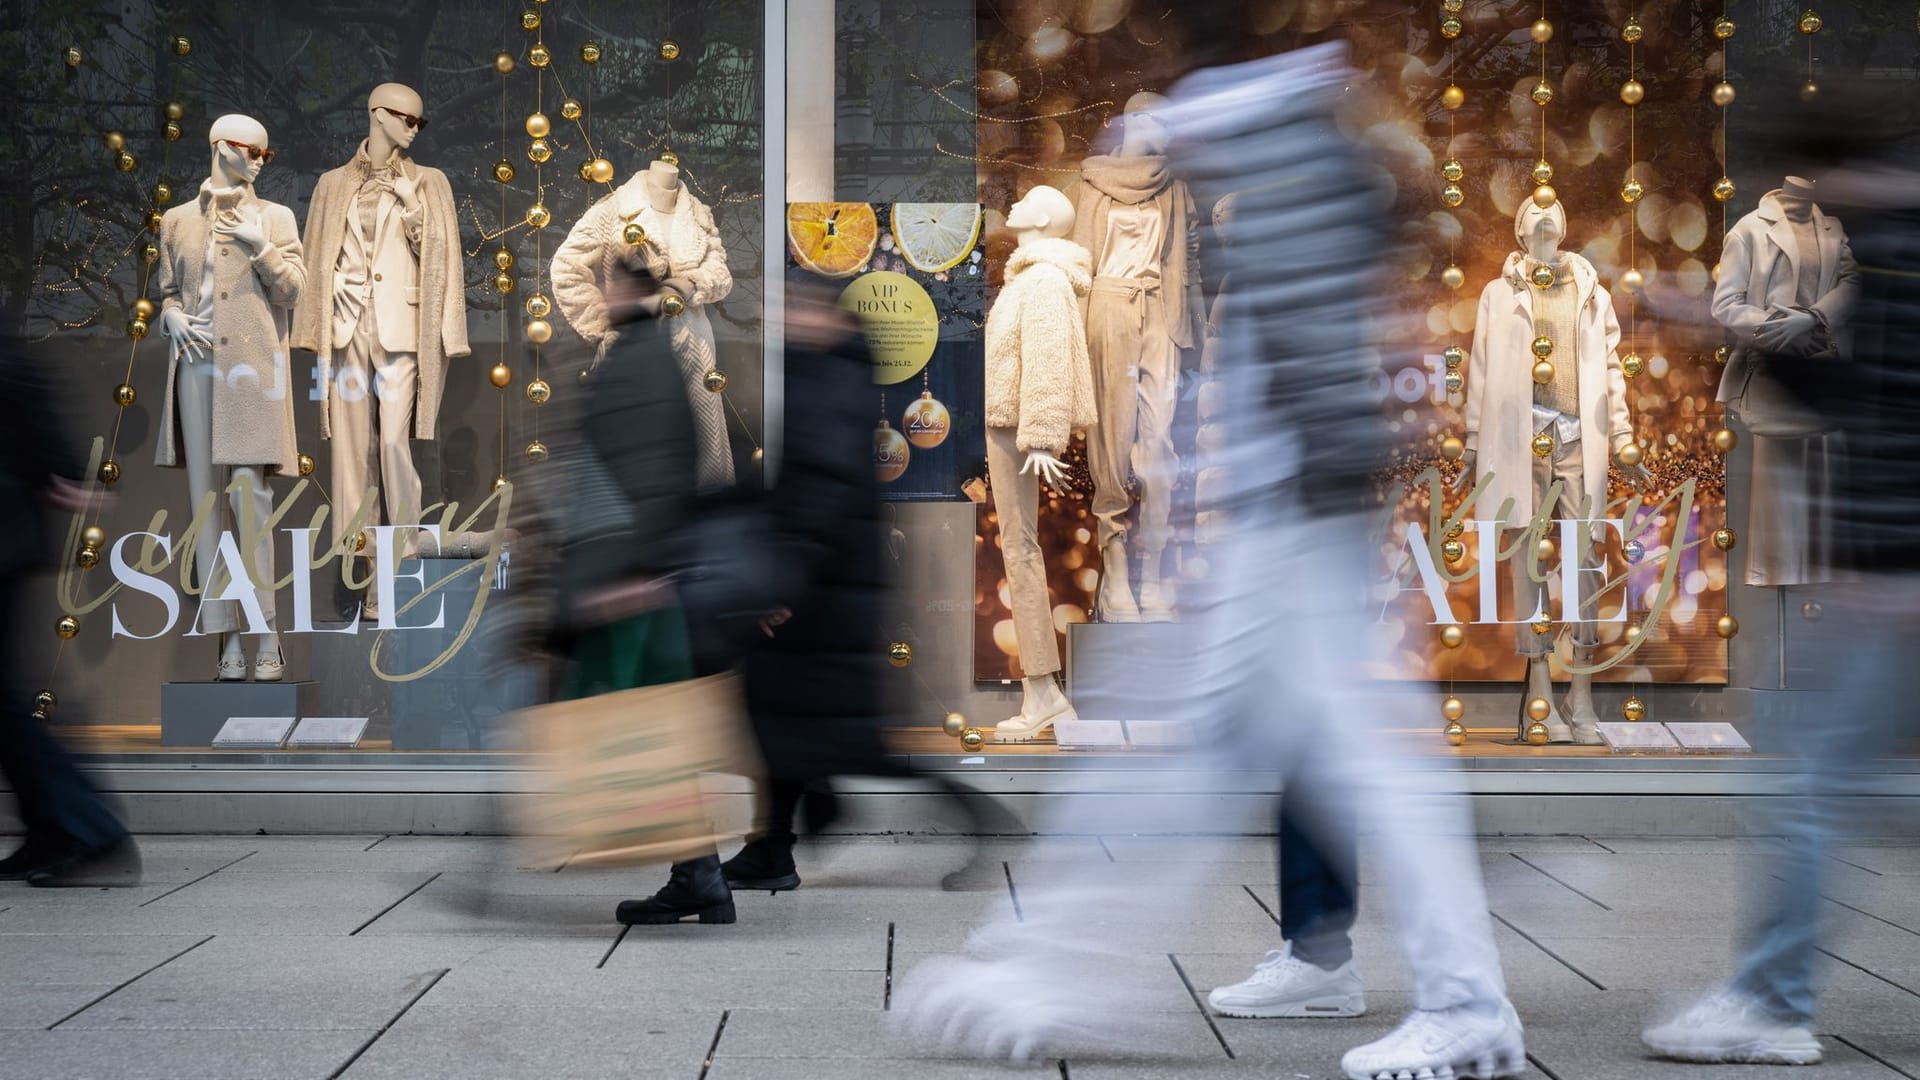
x,y
902,327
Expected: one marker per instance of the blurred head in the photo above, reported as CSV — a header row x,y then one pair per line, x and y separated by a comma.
x,y
239,147
1146,132
1045,211
629,289
397,112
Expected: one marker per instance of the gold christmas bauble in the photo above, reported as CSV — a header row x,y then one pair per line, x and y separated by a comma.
x,y
1633,709
1544,196
109,472
1542,346
1456,530
971,740
1727,626
1453,172
1543,627
1632,364
1452,195
503,282
1631,455
1632,32
539,331
500,376
1542,445
503,171
150,254
155,219
1632,191
538,126
634,234
1450,27
304,464
44,701
1542,31
1454,356
539,391
115,141
539,56
1723,189
1454,733
1811,611
1722,354
1725,440
586,171
1453,381
539,151
125,161
172,131
500,481
162,194
1542,171
600,170
1545,549
590,53
1453,97
1453,7
1810,23
503,258
1543,372
143,308
1453,550
1633,280
1635,633
176,111
1723,94
926,422
1542,276
891,452
1453,277
672,306
123,395
1452,636
503,62
73,56
87,558
529,20
538,306
538,216
669,50
1453,708
570,109
954,725
1537,734
1725,538
1809,90
181,45
536,451
1723,28
136,328
1452,448
715,381
67,627
1542,94
900,654
1539,709
1632,92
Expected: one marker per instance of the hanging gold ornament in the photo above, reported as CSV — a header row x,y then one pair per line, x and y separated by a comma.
x,y
1543,346
1542,94
1546,550
1809,90
1543,372
500,481
503,282
1542,31
538,306
503,259
1452,195
529,20
1727,626
74,56
1542,445
1454,356
1453,708
570,109
44,702
1453,97
955,725
1634,634
590,53
109,471
1633,280
536,451
1452,449
900,654
155,219
1542,172
1450,27
1457,530
600,170
539,56
1721,354
143,308
1634,709
972,740
181,45
668,157
1542,276
539,331
1632,92
1453,277
1724,538
634,234
1632,32
586,170
1454,733
93,536
539,151
172,131
538,126
150,254
539,391
926,422
669,50
1539,709
1453,381
715,381
1632,364
503,62
1723,94
67,627
1452,636
1453,550
503,171
304,464
1723,189
672,306
1631,455
123,395
1537,734
1810,23
1632,191
538,216
1723,28
126,162
136,328
162,194
1725,440
890,453
176,111
758,455
1453,172
115,141
501,375
1453,7
1543,627
1544,196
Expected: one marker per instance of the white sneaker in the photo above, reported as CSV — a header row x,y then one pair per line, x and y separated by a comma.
x,y
1283,986
1730,1027
1012,1010
1444,1044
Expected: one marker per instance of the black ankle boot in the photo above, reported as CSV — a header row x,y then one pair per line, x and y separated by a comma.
x,y
765,863
696,887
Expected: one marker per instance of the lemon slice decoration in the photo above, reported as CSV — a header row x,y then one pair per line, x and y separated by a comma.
x,y
935,237
832,239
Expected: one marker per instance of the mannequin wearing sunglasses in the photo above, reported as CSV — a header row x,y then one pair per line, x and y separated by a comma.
x,y
681,244
230,272
385,311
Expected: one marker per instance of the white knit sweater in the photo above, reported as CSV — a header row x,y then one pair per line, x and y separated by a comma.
x,y
1039,379
692,251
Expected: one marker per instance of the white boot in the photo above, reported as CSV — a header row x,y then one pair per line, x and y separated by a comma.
x,y
1540,685
1156,593
1041,705
1115,601
1582,717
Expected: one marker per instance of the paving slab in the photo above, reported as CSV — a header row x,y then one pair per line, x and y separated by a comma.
x,y
1624,1058
176,1055
761,1033
530,1040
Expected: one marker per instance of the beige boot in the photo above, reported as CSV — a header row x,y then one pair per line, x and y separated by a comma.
x,y
1115,602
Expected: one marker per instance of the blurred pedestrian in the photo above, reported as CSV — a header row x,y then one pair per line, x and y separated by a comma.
x,y
72,837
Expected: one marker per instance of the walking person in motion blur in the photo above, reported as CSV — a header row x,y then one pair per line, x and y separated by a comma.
x,y
1270,672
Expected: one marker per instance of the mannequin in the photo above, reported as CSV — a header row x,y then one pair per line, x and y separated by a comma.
x,y
230,273
1581,408
1787,285
1143,310
682,247
1039,392
385,310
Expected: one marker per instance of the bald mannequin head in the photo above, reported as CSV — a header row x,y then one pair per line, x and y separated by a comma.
x,y
1145,133
237,164
392,112
1042,212
1540,231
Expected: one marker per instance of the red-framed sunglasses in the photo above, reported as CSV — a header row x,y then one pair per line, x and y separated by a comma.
x,y
415,123
257,153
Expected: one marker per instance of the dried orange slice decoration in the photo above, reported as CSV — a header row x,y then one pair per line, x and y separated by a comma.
x,y
832,239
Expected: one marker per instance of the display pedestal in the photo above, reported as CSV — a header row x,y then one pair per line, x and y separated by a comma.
x,y
192,713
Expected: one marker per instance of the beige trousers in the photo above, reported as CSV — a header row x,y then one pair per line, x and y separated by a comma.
x,y
371,402
1529,595
245,511
1136,386
1016,501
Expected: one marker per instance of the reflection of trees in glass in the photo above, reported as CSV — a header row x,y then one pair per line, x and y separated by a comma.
x,y
904,128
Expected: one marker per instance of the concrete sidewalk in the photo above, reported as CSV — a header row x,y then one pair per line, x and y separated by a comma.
x,y
412,957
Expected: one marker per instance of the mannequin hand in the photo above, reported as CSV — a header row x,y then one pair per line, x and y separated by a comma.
x,y
1465,479
188,340
1784,328
1638,475
1046,467
247,231
406,190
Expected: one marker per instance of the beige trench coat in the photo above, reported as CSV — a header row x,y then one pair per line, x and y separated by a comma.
x,y
253,298
1500,390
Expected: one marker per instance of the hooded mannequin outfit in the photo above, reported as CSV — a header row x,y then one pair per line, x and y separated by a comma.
x,y
385,310
683,243
1144,306
1039,391
1786,254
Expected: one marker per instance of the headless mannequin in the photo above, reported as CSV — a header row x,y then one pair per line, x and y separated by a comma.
x,y
663,191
